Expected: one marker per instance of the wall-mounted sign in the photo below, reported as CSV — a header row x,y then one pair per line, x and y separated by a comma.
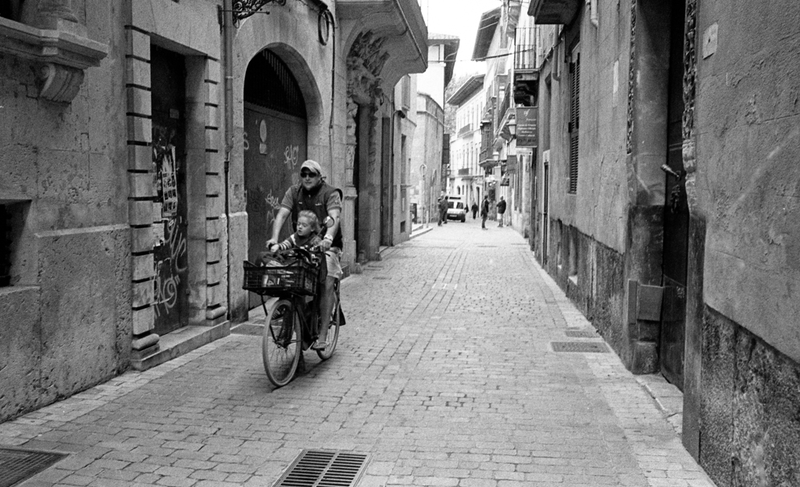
x,y
527,127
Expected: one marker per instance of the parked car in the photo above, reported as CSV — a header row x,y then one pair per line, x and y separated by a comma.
x,y
456,209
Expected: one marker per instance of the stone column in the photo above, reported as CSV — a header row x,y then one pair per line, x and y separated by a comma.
x,y
647,150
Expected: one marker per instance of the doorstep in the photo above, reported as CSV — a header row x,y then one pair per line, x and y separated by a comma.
x,y
180,342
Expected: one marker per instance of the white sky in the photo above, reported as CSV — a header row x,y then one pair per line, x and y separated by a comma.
x,y
458,18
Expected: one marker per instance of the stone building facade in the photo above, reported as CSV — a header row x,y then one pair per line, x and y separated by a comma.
x,y
147,146
669,139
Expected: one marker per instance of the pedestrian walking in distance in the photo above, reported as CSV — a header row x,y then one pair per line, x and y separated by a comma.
x,y
484,211
501,208
474,210
442,210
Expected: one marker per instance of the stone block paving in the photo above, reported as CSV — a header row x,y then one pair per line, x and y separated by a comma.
x,y
444,376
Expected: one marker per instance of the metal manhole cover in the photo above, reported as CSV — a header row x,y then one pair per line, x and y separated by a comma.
x,y
586,347
581,334
318,468
19,465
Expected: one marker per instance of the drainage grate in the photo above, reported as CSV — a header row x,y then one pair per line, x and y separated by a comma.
x,y
382,278
19,465
587,347
317,468
581,334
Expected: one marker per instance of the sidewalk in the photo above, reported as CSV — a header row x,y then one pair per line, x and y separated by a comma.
x,y
447,374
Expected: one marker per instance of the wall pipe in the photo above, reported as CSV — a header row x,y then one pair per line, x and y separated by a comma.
x,y
227,71
594,17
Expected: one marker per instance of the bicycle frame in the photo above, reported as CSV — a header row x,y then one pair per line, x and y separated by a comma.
x,y
309,332
293,318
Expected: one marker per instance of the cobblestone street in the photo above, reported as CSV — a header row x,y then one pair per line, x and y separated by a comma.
x,y
445,375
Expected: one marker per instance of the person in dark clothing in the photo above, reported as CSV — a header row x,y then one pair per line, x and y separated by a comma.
x,y
484,211
442,210
501,208
474,210
313,194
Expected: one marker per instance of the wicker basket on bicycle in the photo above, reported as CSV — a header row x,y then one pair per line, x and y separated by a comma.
x,y
295,274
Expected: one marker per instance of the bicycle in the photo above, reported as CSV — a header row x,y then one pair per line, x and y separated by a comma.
x,y
291,311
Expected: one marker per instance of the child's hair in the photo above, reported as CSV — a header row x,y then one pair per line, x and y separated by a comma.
x,y
312,219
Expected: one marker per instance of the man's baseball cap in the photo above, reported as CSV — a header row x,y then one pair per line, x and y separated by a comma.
x,y
312,165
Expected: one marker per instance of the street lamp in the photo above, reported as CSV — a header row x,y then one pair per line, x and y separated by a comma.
x,y
512,128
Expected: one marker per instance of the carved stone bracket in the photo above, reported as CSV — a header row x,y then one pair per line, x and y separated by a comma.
x,y
364,65
59,83
62,53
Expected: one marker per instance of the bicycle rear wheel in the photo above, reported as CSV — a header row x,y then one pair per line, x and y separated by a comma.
x,y
281,348
333,329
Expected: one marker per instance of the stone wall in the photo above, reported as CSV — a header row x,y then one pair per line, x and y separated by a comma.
x,y
592,275
66,315
750,428
748,179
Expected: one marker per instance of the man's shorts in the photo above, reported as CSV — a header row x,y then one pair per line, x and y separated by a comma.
x,y
333,256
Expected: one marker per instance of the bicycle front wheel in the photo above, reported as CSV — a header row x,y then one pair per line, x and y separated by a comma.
x,y
333,329
281,347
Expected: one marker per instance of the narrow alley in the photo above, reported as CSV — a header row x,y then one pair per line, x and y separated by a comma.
x,y
447,374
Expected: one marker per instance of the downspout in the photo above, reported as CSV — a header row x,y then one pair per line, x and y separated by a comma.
x,y
227,71
328,17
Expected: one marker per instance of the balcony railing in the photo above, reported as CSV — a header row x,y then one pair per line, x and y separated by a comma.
x,y
465,130
525,50
506,103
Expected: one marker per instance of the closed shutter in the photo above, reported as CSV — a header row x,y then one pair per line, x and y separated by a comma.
x,y
574,121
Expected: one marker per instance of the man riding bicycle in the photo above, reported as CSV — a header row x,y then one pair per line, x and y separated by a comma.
x,y
314,194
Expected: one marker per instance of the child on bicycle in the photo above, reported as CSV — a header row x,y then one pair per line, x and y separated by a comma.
x,y
307,234
306,237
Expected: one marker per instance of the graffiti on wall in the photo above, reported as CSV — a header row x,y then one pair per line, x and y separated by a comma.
x,y
273,205
166,181
170,248
169,270
290,155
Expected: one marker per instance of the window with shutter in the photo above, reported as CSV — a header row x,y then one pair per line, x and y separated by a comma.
x,y
574,118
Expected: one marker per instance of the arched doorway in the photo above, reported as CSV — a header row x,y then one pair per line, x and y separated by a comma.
x,y
275,142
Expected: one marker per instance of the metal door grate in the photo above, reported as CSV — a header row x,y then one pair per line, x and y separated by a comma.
x,y
585,347
317,468
19,465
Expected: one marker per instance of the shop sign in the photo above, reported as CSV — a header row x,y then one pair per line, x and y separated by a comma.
x,y
527,127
